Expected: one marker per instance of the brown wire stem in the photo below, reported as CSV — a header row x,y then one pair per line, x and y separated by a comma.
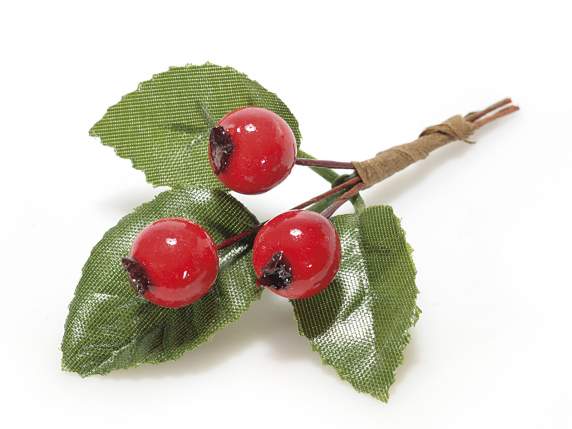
x,y
338,202
350,182
238,237
247,233
324,163
499,114
473,116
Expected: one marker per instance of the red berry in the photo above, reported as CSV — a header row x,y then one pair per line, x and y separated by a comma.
x,y
297,254
173,262
252,150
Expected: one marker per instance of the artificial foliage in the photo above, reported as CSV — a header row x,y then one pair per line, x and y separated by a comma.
x,y
109,327
163,127
359,324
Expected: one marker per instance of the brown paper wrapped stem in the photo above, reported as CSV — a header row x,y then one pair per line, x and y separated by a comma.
x,y
390,161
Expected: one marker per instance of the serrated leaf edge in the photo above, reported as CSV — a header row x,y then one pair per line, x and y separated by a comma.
x,y
405,336
140,87
182,350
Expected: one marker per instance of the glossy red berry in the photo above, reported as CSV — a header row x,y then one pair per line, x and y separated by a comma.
x,y
173,262
296,254
252,150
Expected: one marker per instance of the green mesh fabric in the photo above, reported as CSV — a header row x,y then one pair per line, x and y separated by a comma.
x,y
110,327
163,126
360,323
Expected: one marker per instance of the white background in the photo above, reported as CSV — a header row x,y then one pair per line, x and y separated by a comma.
x,y
490,223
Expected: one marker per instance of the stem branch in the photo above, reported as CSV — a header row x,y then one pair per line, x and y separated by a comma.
x,y
240,236
324,163
334,190
338,202
352,181
472,117
499,114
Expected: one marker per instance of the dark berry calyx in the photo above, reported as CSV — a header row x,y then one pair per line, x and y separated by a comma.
x,y
137,275
221,147
277,273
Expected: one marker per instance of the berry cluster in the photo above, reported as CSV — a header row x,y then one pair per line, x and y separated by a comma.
x,y
174,262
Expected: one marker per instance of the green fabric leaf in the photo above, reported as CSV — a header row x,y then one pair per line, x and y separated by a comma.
x,y
163,126
360,323
109,327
